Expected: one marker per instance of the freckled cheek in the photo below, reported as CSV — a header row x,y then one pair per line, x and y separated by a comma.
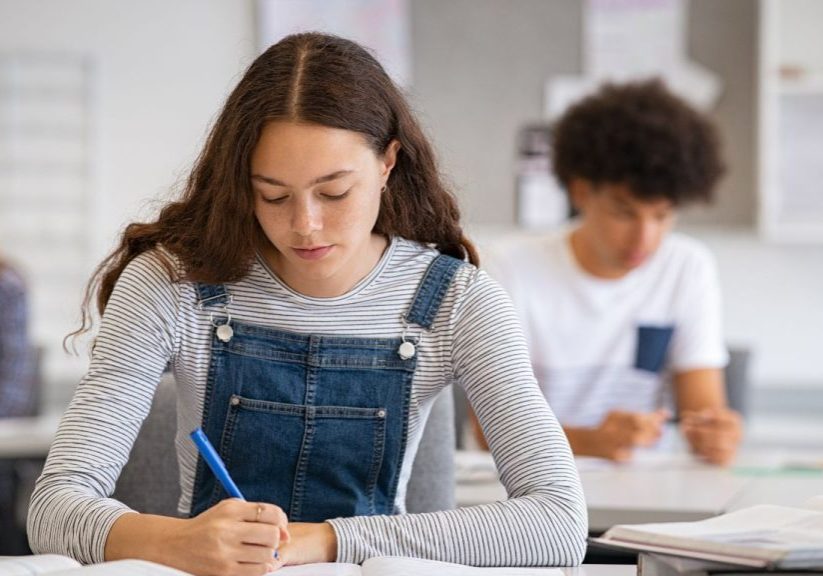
x,y
273,225
356,215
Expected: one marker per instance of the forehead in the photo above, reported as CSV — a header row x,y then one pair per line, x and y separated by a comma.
x,y
623,194
297,143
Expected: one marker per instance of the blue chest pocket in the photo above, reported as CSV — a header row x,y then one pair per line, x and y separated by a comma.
x,y
652,347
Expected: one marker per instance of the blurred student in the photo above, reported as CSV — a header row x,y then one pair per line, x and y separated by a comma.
x,y
16,379
17,392
616,305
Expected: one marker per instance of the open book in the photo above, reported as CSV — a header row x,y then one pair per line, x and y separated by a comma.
x,y
55,565
761,537
396,566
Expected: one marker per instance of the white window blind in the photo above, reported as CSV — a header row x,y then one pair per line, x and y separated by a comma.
x,y
46,184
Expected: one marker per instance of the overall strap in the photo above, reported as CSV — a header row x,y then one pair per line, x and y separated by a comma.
x,y
432,289
209,295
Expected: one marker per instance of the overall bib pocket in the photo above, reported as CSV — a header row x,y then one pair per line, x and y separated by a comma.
x,y
264,440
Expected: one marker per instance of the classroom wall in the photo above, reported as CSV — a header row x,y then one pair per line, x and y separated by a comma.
x,y
479,69
162,70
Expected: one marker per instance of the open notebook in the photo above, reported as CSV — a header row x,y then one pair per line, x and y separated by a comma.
x,y
760,536
55,565
396,566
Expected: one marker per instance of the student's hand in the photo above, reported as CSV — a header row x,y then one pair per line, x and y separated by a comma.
x,y
637,428
712,433
233,537
620,432
310,542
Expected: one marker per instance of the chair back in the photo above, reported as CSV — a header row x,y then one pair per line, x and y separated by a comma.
x,y
736,375
150,482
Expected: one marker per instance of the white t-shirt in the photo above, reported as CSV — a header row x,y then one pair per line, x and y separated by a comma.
x,y
598,345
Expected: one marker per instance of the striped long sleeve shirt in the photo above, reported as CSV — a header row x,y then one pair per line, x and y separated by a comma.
x,y
151,322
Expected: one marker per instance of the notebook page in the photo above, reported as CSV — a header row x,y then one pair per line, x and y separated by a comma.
x,y
41,564
397,566
319,569
122,568
753,526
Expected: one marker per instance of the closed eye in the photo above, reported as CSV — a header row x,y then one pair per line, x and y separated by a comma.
x,y
329,196
278,200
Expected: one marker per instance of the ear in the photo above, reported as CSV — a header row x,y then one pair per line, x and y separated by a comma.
x,y
389,159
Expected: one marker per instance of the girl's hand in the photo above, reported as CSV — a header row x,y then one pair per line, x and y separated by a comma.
x,y
235,537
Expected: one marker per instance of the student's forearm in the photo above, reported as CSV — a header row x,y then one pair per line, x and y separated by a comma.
x,y
143,536
581,440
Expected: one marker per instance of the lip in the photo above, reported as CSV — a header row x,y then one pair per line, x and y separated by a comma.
x,y
315,253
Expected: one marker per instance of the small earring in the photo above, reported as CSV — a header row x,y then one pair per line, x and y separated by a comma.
x,y
384,188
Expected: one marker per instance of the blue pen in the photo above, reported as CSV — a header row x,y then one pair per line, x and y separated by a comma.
x,y
214,461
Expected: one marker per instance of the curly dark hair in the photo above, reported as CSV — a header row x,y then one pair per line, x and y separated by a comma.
x,y
640,135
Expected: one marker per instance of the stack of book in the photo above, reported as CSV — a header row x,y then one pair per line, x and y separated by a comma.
x,y
760,538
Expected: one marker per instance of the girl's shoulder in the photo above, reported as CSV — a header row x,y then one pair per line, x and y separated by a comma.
x,y
155,274
416,257
156,263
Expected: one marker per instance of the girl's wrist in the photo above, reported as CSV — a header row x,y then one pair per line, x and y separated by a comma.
x,y
329,541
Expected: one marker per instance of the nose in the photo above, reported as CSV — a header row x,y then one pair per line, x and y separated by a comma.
x,y
645,234
306,217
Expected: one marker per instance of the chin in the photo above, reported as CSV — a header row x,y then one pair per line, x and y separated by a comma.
x,y
635,263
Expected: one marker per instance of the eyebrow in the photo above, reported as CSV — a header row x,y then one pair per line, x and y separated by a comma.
x,y
320,180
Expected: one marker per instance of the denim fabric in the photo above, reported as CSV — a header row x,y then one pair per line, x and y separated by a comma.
x,y
313,423
652,347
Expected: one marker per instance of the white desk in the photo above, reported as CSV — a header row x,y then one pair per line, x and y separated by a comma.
x,y
27,437
662,486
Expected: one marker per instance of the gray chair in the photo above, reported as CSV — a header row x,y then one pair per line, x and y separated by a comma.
x,y
432,482
737,379
149,481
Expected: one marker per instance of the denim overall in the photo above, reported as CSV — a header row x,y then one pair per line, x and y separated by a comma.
x,y
312,423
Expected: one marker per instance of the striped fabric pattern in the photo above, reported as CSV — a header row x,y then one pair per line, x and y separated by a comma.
x,y
475,342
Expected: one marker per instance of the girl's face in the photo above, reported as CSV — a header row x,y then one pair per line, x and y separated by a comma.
x,y
317,196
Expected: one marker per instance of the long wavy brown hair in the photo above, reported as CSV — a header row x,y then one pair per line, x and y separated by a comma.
x,y
309,77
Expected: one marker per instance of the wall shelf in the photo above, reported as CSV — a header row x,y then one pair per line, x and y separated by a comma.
x,y
790,120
